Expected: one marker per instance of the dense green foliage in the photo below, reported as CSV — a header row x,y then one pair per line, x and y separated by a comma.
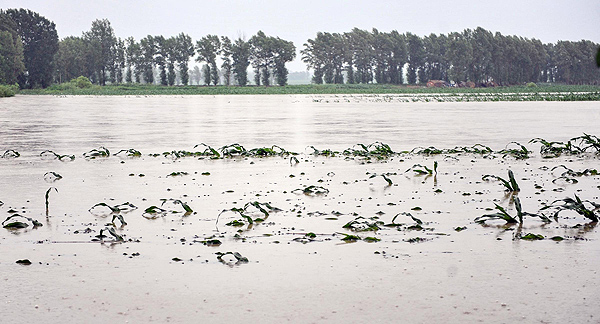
x,y
477,56
31,55
40,43
8,90
11,51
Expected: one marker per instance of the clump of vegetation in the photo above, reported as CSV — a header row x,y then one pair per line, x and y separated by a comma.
x,y
586,142
555,149
245,213
531,85
130,152
8,90
377,149
519,153
326,152
362,224
188,210
112,232
54,155
585,208
10,154
239,259
96,153
511,185
509,219
16,224
384,176
312,190
422,169
531,237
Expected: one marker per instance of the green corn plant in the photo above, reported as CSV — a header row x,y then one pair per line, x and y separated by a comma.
x,y
377,149
232,150
154,212
384,176
10,154
208,151
555,149
269,151
57,156
18,224
130,152
110,231
577,205
422,169
326,152
361,224
416,220
312,190
588,142
504,215
294,160
510,185
186,207
52,176
47,197
519,153
96,153
238,257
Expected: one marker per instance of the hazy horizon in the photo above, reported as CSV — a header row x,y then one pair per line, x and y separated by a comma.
x,y
548,21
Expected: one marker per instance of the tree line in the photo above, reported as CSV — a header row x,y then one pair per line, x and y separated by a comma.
x,y
479,56
32,55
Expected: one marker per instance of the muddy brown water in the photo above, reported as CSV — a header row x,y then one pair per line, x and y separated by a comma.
x,y
480,274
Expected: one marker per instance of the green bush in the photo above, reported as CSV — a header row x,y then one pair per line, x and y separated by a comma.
x,y
531,85
8,90
82,82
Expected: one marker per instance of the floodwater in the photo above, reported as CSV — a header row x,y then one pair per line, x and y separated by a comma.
x,y
480,274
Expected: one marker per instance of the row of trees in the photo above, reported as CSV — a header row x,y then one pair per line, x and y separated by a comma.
x,y
103,57
360,56
32,55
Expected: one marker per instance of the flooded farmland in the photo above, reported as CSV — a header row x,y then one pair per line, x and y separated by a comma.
x,y
168,230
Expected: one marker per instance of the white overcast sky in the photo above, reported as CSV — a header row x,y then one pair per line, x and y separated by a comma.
x,y
547,20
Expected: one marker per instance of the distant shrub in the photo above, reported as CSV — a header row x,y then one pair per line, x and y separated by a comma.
x,y
8,90
531,85
82,82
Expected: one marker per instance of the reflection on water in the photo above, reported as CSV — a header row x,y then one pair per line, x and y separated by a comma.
x,y
153,124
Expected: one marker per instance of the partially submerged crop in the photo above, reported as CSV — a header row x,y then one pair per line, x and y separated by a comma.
x,y
585,208
96,153
586,142
239,259
362,224
15,224
52,176
519,153
377,149
10,154
312,190
130,152
509,219
384,176
54,155
422,169
510,185
111,231
47,197
264,208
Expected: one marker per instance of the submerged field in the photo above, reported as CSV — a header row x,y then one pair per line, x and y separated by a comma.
x,y
543,92
328,231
